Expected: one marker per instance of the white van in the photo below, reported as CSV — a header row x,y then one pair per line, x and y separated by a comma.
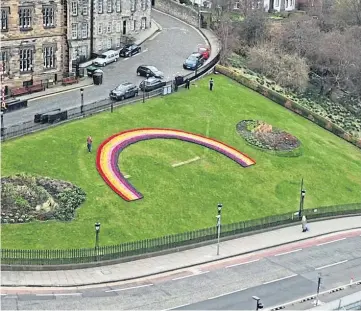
x,y
106,58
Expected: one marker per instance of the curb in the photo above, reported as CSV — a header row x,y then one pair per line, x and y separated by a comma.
x,y
152,34
178,268
62,91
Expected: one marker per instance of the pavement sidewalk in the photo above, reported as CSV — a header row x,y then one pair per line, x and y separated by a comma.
x,y
175,261
86,81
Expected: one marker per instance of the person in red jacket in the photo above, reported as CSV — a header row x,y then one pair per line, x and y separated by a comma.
x,y
89,142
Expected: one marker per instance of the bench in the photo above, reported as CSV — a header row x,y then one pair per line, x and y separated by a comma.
x,y
19,91
70,80
36,88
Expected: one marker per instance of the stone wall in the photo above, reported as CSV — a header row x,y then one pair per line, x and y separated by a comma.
x,y
183,12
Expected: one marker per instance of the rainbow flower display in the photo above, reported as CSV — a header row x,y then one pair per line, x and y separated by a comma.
x,y
109,150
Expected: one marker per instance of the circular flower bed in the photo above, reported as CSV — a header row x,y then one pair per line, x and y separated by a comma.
x,y
265,136
26,198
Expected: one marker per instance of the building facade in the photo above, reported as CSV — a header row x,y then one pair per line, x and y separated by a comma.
x,y
41,40
32,41
96,26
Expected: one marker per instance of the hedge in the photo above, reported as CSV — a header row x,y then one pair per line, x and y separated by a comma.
x,y
289,104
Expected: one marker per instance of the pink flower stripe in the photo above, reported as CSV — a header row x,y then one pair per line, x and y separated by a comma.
x,y
109,150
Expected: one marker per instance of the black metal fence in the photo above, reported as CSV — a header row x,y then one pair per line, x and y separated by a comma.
x,y
98,106
88,255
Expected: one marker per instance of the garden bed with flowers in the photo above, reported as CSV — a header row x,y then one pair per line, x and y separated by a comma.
x,y
27,198
267,137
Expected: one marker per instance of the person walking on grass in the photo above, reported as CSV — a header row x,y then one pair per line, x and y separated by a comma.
x,y
89,142
211,84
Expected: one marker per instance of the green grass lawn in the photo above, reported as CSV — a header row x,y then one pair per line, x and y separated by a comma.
x,y
182,198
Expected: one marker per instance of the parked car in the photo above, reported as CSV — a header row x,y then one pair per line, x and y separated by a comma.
x,y
90,70
129,50
204,50
149,71
151,84
106,58
194,61
123,91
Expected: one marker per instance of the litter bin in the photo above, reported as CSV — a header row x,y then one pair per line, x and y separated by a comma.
x,y
179,80
98,77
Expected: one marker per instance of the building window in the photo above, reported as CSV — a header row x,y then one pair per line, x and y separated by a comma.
x,y
5,19
100,46
84,30
4,62
109,6
117,27
236,5
26,59
144,22
104,44
100,28
109,27
132,25
49,57
74,8
277,3
144,4
48,16
85,8
132,5
109,43
100,6
118,7
114,27
74,31
25,18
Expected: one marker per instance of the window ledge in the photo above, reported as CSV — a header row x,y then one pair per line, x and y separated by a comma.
x,y
26,29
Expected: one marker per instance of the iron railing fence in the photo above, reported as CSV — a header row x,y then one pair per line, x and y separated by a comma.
x,y
170,242
98,106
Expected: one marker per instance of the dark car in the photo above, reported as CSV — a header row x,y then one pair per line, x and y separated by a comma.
x,y
149,71
194,61
90,70
129,50
151,84
124,90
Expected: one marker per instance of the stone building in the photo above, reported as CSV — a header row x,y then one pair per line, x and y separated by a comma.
x,y
100,25
32,41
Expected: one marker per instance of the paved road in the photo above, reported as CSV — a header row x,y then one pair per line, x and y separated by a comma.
x,y
166,50
282,277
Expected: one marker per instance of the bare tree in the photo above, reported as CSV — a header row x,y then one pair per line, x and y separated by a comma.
x,y
349,11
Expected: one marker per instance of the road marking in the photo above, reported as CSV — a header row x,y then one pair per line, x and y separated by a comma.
x,y
188,276
290,252
187,304
280,279
308,297
60,92
44,294
186,162
3,294
69,294
128,288
331,265
242,263
125,59
146,50
229,293
331,241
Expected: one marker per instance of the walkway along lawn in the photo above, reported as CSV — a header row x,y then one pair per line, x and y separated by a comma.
x,y
181,198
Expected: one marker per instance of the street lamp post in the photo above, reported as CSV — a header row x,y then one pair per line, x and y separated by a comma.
x,y
318,288
143,83
259,304
97,230
219,208
302,198
81,100
2,123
